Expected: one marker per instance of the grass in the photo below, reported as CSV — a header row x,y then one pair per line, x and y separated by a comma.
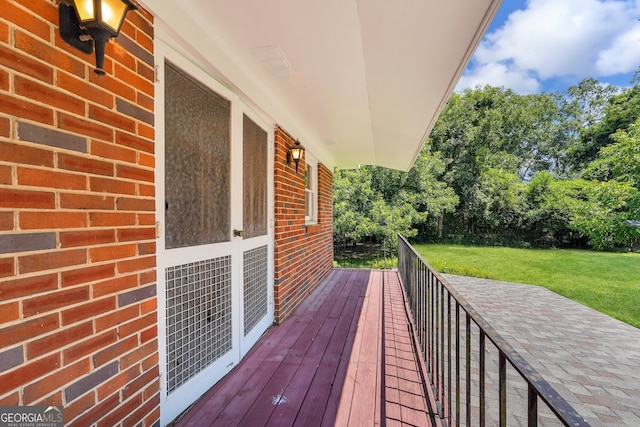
x,y
606,282
364,255
367,262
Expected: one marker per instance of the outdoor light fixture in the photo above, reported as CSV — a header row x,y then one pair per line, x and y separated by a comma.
x,y
295,153
84,20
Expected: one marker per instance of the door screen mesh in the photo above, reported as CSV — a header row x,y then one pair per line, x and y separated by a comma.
x,y
255,287
198,317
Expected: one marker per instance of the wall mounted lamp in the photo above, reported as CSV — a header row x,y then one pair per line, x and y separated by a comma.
x,y
295,153
85,23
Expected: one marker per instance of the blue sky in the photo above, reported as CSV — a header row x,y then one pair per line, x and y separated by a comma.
x,y
537,46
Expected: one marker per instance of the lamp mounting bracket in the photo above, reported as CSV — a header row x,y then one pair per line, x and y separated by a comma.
x,y
70,30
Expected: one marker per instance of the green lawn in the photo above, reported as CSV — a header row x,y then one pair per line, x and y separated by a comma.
x,y
607,282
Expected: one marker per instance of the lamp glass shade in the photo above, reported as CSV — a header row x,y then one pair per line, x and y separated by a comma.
x,y
112,13
296,153
86,10
108,14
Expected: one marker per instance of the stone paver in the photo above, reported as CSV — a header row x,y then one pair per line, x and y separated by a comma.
x,y
591,359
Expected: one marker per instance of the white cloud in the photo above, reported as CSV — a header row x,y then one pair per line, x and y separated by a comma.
x,y
498,74
558,39
622,56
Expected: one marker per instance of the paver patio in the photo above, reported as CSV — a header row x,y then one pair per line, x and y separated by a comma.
x,y
591,359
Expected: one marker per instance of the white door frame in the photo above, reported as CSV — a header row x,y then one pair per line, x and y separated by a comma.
x,y
172,405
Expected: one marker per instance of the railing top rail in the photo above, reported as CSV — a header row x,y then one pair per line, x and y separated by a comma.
x,y
563,410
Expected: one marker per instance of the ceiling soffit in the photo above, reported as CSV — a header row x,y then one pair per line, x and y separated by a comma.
x,y
359,82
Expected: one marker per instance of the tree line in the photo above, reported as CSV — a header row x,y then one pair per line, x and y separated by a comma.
x,y
540,170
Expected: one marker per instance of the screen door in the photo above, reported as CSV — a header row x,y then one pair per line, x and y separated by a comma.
x,y
215,252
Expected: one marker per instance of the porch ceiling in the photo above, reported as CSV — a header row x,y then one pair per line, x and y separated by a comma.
x,y
357,81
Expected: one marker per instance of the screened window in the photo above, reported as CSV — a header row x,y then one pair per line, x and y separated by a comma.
x,y
311,191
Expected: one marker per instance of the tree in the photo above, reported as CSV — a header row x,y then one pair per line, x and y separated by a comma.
x,y
615,198
499,202
620,112
379,203
352,203
602,215
491,133
550,206
620,160
503,166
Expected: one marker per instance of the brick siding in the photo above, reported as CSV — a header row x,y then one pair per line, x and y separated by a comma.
x,y
78,304
78,301
303,253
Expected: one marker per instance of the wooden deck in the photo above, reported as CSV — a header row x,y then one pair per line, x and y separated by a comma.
x,y
344,358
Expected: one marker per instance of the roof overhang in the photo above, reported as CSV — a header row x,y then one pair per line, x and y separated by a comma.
x,y
359,82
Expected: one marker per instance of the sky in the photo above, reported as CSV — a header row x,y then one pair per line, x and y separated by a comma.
x,y
535,46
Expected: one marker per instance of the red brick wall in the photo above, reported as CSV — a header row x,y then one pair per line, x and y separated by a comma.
x,y
77,236
303,254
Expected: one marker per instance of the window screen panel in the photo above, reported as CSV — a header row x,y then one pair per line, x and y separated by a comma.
x,y
197,162
254,179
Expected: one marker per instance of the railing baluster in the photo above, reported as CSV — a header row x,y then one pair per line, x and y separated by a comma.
x,y
457,364
423,308
432,328
415,303
532,407
502,384
468,373
449,356
482,379
436,373
442,351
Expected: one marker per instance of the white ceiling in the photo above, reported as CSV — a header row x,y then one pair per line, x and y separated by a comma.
x,y
359,82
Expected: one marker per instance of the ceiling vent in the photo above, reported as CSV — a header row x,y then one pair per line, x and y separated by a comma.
x,y
274,60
